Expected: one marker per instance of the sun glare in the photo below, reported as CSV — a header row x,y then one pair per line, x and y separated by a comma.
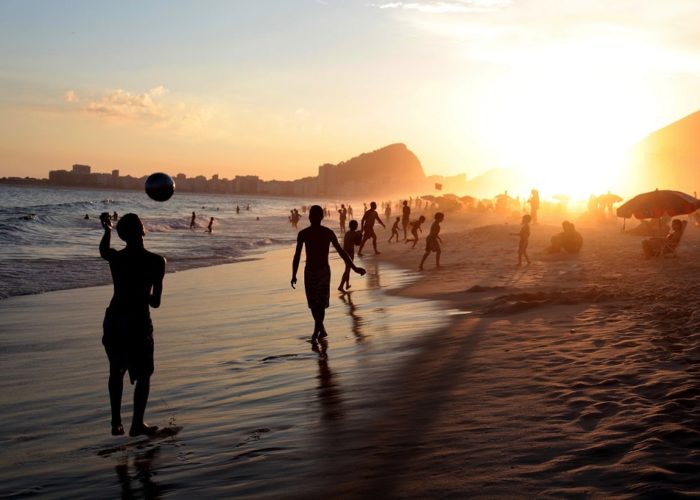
x,y
566,128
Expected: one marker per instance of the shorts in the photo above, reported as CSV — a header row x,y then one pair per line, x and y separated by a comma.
x,y
317,284
128,343
432,245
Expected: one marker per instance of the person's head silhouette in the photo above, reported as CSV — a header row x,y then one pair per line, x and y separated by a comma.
x,y
315,215
130,229
373,205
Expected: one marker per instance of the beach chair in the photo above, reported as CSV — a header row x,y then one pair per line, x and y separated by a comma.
x,y
671,245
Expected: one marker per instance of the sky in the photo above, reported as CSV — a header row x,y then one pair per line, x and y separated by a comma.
x,y
556,88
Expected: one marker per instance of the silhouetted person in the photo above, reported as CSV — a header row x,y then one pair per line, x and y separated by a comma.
x,y
343,214
524,238
238,209
432,242
350,212
395,230
415,227
653,247
87,216
534,204
349,241
115,216
128,332
405,218
367,225
568,240
211,225
193,221
317,273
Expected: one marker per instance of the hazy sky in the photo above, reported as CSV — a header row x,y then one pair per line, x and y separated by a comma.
x,y
276,88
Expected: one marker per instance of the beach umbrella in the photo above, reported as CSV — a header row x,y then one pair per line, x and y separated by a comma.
x,y
610,198
656,204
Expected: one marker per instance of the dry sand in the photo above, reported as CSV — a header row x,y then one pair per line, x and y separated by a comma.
x,y
574,376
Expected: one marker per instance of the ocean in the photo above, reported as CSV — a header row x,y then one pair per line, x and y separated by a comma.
x,y
46,243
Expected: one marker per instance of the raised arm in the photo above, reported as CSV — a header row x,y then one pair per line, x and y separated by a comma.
x,y
296,259
106,238
344,255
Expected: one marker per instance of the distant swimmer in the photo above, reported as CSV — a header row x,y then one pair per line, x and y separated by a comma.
x,y
127,328
115,216
238,209
371,216
432,242
87,217
317,273
193,221
28,217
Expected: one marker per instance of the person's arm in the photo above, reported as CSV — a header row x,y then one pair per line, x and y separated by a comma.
x,y
380,221
106,238
154,299
344,255
297,258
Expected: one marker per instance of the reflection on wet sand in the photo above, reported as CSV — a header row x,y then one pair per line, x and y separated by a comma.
x,y
356,319
143,473
329,392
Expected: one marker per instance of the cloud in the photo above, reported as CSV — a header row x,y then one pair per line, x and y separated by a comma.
x,y
70,96
123,104
154,109
446,6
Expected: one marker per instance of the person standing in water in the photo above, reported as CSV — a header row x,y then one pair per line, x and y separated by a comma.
x,y
367,226
128,331
405,218
193,221
349,241
317,273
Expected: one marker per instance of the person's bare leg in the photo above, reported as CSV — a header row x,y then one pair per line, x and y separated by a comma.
x,y
374,244
422,261
138,426
437,258
319,314
116,388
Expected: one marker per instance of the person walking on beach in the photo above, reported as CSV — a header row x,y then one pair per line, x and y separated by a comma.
x,y
193,221
405,218
127,328
367,226
395,230
534,204
343,214
349,241
317,273
415,227
432,242
524,237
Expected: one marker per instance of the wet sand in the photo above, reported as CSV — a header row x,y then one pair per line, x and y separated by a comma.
x,y
574,376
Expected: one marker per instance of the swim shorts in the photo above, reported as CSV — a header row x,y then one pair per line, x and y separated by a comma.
x,y
128,343
317,284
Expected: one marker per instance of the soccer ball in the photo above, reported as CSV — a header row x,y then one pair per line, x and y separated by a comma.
x,y
160,186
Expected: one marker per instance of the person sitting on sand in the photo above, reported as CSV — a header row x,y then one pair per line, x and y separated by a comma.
x,y
653,247
524,238
415,227
568,240
395,230
317,273
367,226
432,242
351,238
128,332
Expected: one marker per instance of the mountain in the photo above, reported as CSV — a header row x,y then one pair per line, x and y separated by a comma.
x,y
386,171
669,158
495,181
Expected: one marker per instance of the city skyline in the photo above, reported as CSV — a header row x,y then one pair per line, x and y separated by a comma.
x,y
277,88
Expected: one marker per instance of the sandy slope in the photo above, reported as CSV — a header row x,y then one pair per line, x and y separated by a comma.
x,y
577,375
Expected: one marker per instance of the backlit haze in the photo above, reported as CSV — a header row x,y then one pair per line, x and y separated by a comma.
x,y
558,90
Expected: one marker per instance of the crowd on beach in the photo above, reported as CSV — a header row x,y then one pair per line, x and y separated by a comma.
x,y
138,274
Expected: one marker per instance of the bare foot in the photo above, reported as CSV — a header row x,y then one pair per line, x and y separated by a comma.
x,y
143,429
347,287
118,430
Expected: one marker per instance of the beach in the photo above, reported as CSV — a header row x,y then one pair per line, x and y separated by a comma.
x,y
574,376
